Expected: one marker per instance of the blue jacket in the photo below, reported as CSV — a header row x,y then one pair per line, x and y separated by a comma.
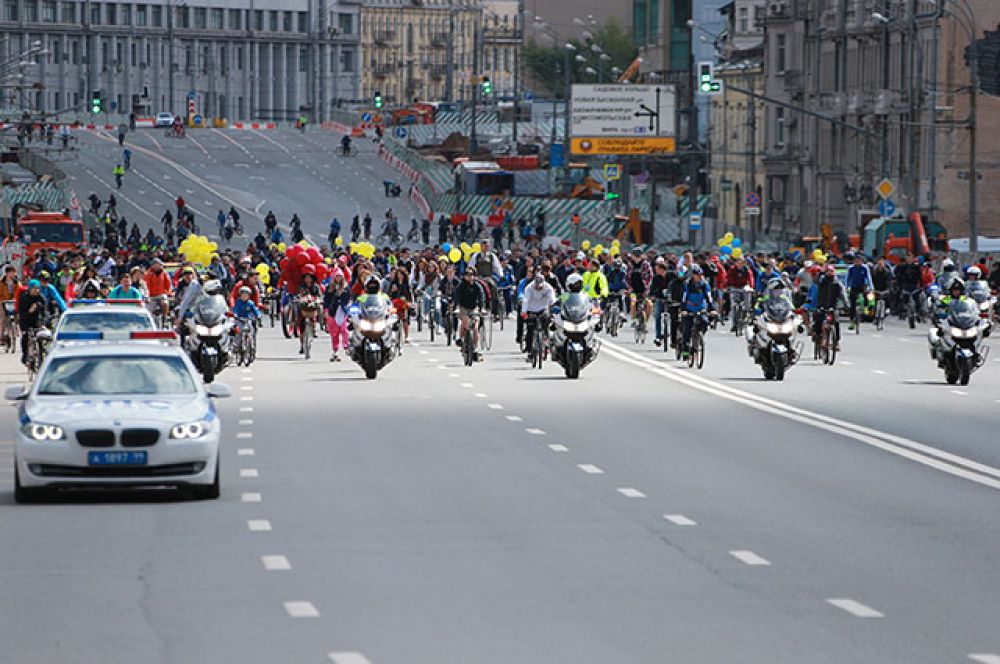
x,y
51,295
696,298
245,309
859,276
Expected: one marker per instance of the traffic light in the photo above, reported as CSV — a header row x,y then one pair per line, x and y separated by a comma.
x,y
96,102
707,85
487,86
378,99
612,196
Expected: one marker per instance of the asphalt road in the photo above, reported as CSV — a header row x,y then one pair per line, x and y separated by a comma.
x,y
647,513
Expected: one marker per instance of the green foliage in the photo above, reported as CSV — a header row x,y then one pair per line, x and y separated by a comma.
x,y
545,62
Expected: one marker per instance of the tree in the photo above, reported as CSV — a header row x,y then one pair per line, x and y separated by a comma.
x,y
545,63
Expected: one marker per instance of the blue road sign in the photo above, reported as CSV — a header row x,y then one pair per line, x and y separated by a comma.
x,y
196,119
886,207
192,95
366,117
753,200
557,155
694,221
400,132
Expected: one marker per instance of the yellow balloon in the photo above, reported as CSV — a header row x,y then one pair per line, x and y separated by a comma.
x,y
599,248
265,279
339,241
729,237
738,252
476,248
585,245
615,250
303,244
213,246
442,257
282,247
455,254
616,243
464,246
328,260
722,242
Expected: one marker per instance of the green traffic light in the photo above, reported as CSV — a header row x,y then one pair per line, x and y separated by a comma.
x,y
487,86
612,196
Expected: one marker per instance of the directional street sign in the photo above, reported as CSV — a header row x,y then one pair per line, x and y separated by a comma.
x,y
694,221
612,171
196,119
886,207
399,132
192,95
366,117
885,188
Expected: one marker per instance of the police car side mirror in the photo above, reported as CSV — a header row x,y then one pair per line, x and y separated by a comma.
x,y
15,393
219,391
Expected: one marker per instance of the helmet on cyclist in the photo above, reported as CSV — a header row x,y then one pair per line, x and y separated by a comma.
x,y
245,290
696,269
212,287
372,285
618,262
574,283
188,270
539,281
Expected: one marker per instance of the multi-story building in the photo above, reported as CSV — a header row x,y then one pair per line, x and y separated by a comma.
x,y
241,59
736,119
501,43
419,49
890,109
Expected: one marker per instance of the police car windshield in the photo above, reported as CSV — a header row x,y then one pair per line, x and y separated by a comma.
x,y
105,321
116,375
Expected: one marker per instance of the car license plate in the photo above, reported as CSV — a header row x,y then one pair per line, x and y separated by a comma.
x,y
116,458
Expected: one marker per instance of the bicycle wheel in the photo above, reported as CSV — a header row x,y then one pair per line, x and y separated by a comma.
x,y
468,348
880,314
489,334
539,348
700,348
692,357
638,327
420,316
432,322
831,345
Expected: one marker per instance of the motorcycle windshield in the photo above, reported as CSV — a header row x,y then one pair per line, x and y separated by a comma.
x,y
963,314
979,291
576,308
373,309
211,310
778,308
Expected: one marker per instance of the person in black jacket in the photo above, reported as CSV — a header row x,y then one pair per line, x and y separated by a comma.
x,y
30,314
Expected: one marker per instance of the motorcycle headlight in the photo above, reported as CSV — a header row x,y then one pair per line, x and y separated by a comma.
x,y
42,432
201,330
371,326
781,328
582,326
189,431
959,333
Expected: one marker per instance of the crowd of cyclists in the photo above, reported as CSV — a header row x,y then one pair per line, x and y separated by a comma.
x,y
504,279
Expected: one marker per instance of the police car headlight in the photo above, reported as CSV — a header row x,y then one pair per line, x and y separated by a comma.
x,y
189,431
42,432
576,327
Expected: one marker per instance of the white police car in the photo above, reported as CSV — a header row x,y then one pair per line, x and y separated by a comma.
x,y
108,414
91,320
164,119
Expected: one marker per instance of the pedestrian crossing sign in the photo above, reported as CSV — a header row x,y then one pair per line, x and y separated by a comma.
x,y
612,172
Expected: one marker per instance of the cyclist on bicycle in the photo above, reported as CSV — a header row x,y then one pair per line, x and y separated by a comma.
x,y
469,298
244,306
658,290
160,289
696,301
639,279
345,145
859,283
595,284
401,294
539,296
825,296
486,265
309,298
30,314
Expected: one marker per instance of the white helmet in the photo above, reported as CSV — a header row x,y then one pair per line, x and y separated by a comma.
x,y
212,287
974,271
574,283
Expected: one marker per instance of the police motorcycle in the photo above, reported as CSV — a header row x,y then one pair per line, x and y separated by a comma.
x,y
771,339
375,334
574,344
986,301
209,331
956,341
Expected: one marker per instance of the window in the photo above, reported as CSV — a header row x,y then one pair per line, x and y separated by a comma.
x,y
119,61
200,18
303,59
133,55
223,63
286,21
345,23
141,15
217,19
744,21
654,20
272,21
303,22
239,57
57,50
235,19
31,11
758,18
105,53
639,21
74,51
69,12
206,59
112,14
126,15
347,60
157,18
188,57
10,10
779,127
258,20
182,19
780,51
49,11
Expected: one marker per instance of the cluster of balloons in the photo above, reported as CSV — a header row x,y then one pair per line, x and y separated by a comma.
x,y
730,245
301,260
363,249
198,250
464,250
265,273
596,250
819,257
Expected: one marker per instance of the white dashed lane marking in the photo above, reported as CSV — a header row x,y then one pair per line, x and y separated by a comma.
x,y
468,386
984,658
245,451
479,395
246,398
246,409
514,418
879,372
244,435
275,563
250,497
494,406
301,610
348,658
629,492
590,469
535,432
749,557
855,608
680,520
245,423
249,472
259,525
556,447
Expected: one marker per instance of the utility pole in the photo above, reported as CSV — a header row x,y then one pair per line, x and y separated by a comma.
x,y
973,174
932,138
692,134
170,50
519,27
473,139
568,83
449,82
751,145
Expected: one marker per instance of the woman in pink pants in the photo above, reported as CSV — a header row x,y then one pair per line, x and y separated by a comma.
x,y
336,301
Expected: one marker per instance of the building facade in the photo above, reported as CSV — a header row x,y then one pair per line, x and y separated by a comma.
x,y
890,83
241,59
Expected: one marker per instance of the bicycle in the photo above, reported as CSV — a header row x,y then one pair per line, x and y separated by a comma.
x,y
825,346
540,339
880,310
341,152
308,334
613,315
158,307
11,331
468,340
486,332
640,322
696,350
289,316
245,351
911,308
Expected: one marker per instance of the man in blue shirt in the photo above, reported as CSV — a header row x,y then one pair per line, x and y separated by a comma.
x,y
858,282
696,300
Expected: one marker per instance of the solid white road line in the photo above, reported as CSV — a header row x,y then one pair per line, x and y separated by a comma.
x,y
748,557
259,525
556,447
984,657
590,469
245,451
301,610
250,497
856,609
348,658
629,492
514,418
249,472
535,432
921,453
275,563
680,520
494,406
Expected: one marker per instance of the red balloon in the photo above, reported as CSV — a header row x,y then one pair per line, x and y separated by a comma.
x,y
301,259
284,263
293,251
309,268
322,272
314,255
